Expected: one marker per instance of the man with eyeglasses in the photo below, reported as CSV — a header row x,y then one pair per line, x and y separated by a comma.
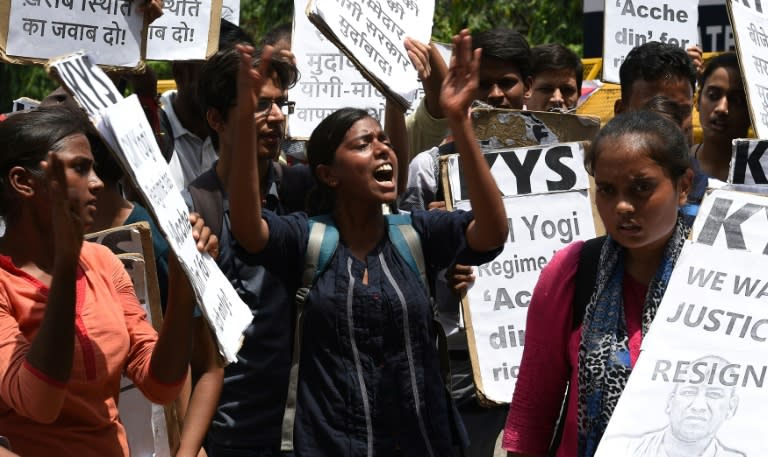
x,y
248,416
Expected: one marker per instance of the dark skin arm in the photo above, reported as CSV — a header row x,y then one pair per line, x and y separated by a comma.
x,y
68,239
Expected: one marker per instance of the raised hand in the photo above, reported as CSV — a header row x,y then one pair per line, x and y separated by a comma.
x,y
460,85
68,228
418,52
250,80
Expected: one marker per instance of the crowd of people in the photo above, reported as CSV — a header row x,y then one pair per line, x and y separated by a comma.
x,y
350,264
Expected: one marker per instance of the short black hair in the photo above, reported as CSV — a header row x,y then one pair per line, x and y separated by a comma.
x,y
724,60
281,32
231,34
654,61
663,141
217,86
556,57
507,45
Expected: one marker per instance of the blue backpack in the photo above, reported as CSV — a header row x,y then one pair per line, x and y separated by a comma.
x,y
322,243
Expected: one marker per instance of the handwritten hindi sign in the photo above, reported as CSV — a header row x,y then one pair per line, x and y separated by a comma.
x,y
230,11
701,376
750,21
110,30
544,190
187,30
631,23
124,126
749,162
371,33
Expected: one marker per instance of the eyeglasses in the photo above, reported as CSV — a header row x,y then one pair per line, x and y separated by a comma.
x,y
264,105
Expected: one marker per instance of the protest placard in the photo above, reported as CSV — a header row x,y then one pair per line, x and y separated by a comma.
x,y
124,127
152,430
701,375
371,34
749,162
750,20
503,128
230,11
631,23
187,30
111,31
544,190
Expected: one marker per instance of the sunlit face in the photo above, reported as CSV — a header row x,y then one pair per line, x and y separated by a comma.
x,y
723,109
270,124
677,89
365,165
696,412
636,198
553,90
501,84
82,182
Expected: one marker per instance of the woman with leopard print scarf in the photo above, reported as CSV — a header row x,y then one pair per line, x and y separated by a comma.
x,y
642,172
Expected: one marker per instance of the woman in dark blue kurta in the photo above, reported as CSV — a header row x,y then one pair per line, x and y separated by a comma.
x,y
369,378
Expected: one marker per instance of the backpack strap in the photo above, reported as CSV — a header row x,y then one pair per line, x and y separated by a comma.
x,y
407,243
321,245
208,200
584,281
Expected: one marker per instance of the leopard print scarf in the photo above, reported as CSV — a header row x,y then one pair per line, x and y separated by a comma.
x,y
604,362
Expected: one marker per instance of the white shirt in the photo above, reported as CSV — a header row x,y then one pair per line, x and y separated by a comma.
x,y
192,156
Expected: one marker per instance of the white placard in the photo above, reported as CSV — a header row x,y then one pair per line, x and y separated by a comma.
x,y
225,312
329,80
525,171
181,33
123,124
732,220
750,21
374,31
540,223
230,11
110,30
631,23
749,162
699,386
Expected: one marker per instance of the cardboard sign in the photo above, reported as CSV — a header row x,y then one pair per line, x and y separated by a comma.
x,y
503,128
371,33
700,381
544,190
111,31
750,21
749,162
152,430
125,128
187,30
631,23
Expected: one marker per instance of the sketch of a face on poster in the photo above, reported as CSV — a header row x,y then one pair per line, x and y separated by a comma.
x,y
698,405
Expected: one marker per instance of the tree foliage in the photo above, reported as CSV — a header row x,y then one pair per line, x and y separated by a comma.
x,y
542,21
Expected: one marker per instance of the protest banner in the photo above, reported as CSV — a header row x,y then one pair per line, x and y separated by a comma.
x,y
152,430
750,20
544,189
503,128
124,127
631,23
371,33
703,361
187,30
111,31
230,11
330,79
749,162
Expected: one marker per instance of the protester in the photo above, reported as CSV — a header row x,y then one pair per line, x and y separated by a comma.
x,y
57,291
248,415
556,74
186,145
369,378
640,164
655,69
723,114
